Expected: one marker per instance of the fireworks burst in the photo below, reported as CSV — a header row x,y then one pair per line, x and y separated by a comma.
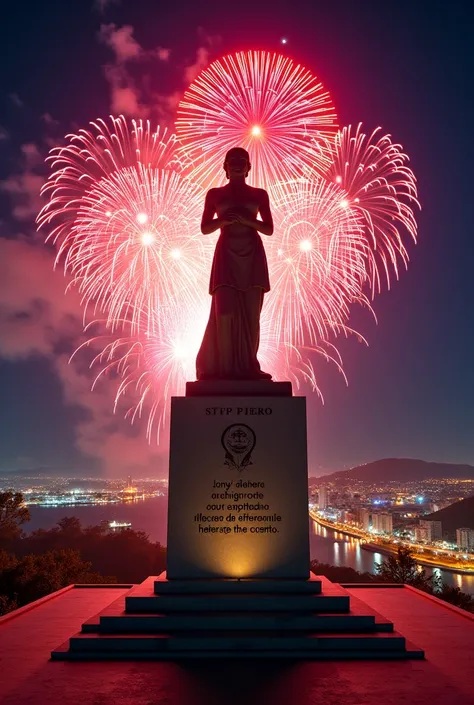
x,y
124,204
128,230
318,263
381,187
264,102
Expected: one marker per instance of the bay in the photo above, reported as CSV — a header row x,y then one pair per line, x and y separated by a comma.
x,y
150,516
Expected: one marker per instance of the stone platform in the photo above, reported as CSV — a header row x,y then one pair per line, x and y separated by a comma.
x,y
177,620
238,388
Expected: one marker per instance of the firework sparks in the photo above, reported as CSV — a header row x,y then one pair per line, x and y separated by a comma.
x,y
266,103
318,263
128,230
152,365
381,187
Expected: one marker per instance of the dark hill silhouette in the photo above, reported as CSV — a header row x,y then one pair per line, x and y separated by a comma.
x,y
401,469
457,516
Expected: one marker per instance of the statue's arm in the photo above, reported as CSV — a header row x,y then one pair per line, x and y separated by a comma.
x,y
265,226
209,224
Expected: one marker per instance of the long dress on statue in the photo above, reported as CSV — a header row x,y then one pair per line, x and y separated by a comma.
x,y
239,280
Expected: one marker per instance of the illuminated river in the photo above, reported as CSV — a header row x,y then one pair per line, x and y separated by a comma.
x,y
327,546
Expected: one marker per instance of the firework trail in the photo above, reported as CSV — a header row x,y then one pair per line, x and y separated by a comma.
x,y
264,102
124,204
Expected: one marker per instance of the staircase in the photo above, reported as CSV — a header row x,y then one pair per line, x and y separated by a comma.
x,y
175,620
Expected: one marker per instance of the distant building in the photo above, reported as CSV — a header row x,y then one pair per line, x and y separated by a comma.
x,y
347,516
421,533
429,531
465,539
365,518
323,498
129,481
382,523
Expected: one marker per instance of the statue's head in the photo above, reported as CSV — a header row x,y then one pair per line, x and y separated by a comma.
x,y
237,161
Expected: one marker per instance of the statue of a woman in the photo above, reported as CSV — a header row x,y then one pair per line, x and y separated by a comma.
x,y
239,275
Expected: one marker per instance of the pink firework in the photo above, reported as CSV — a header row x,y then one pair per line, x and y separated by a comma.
x,y
152,364
266,103
152,360
127,230
317,263
382,188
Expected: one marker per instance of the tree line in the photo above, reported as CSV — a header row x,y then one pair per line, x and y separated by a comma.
x,y
36,564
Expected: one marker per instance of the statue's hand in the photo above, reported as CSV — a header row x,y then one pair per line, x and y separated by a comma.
x,y
236,217
224,221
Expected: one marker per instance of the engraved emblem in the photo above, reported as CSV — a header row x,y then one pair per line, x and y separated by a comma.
x,y
238,441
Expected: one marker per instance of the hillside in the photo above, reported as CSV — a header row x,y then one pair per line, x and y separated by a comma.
x,y
401,469
456,516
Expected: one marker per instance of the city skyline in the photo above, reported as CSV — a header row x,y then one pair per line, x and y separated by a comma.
x,y
408,391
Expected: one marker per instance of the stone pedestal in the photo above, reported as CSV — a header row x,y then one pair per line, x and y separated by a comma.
x,y
238,487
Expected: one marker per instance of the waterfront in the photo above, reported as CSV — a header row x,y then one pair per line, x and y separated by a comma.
x,y
333,547
327,546
147,515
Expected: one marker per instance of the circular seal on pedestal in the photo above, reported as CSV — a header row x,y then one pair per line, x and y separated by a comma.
x,y
238,441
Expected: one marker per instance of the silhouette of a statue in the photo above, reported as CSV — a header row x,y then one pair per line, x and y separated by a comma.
x,y
239,275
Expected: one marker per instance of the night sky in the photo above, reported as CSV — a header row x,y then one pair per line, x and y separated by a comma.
x,y
403,65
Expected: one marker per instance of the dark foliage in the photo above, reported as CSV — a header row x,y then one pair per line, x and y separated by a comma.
x,y
128,555
456,597
34,576
37,564
13,513
402,568
341,574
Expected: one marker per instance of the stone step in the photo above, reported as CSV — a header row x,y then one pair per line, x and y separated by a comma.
x,y
236,603
143,598
64,654
360,617
193,625
94,643
282,622
320,647
241,587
